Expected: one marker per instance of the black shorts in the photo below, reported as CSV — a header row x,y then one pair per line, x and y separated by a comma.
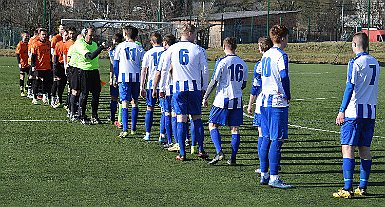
x,y
90,81
45,74
25,70
59,71
74,78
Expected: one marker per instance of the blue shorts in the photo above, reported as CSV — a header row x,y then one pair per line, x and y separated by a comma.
x,y
114,91
129,91
226,117
274,122
150,101
187,102
165,103
357,132
257,120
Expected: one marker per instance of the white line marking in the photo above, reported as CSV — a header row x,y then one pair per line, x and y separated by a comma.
x,y
23,120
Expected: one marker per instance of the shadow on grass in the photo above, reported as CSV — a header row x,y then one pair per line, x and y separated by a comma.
x,y
326,172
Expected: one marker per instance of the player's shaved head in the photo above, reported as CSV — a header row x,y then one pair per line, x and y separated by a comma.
x,y
265,43
130,32
361,40
156,38
277,32
230,43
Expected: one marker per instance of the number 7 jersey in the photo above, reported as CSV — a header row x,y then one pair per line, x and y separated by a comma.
x,y
230,72
129,55
364,73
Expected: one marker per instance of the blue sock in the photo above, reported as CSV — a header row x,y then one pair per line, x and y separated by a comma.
x,y
235,141
167,120
263,156
162,128
364,172
113,109
199,133
216,138
134,118
192,132
348,171
174,128
260,140
148,120
275,156
181,134
125,119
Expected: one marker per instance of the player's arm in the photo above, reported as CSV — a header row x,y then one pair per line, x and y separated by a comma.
x,y
18,48
347,94
283,65
94,54
116,62
213,83
143,72
205,71
33,58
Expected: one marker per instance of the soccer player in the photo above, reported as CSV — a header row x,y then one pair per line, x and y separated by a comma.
x,y
59,75
57,38
22,60
71,40
275,106
31,76
264,44
189,77
127,59
88,63
357,115
149,67
230,75
114,90
169,114
41,66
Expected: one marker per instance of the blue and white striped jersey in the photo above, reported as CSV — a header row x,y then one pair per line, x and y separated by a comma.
x,y
189,67
230,72
275,78
363,73
151,61
167,75
129,55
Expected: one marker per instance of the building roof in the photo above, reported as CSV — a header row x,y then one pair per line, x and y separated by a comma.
x,y
233,15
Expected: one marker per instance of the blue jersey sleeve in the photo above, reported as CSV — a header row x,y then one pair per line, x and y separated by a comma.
x,y
285,77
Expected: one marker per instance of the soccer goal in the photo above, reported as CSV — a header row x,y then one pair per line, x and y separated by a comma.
x,y
105,29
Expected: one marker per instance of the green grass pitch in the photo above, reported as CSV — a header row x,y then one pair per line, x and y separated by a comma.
x,y
59,163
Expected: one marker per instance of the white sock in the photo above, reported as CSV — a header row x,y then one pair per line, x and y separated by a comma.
x,y
274,177
265,174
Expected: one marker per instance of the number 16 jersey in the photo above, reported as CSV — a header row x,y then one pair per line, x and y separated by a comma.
x,y
230,72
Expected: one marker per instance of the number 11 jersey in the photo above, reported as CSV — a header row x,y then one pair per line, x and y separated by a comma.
x,y
129,55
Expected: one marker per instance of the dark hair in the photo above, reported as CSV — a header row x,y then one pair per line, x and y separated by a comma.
x,y
230,43
118,37
170,39
265,43
24,32
131,31
277,32
72,29
363,39
156,38
42,30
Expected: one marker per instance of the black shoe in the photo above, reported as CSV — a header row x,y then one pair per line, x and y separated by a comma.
x,y
95,120
84,121
203,155
217,158
232,161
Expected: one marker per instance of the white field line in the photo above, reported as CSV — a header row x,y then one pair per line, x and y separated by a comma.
x,y
24,120
308,128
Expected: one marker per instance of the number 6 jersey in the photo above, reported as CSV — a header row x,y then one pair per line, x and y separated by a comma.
x,y
230,72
